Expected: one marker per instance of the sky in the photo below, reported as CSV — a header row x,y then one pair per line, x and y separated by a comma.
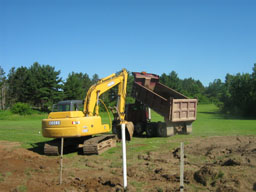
x,y
202,39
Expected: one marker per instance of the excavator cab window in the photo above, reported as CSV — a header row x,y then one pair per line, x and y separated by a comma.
x,y
78,107
60,107
68,105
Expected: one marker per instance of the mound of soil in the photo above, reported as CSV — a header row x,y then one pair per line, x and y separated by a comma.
x,y
226,164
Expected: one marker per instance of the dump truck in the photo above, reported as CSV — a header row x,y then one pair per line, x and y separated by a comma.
x,y
178,111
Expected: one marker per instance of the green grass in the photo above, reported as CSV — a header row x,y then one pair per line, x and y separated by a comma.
x,y
27,129
8,115
210,122
28,132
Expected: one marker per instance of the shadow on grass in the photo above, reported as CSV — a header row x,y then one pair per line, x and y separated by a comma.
x,y
220,115
37,147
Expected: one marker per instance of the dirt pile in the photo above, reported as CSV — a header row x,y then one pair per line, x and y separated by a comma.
x,y
95,184
225,163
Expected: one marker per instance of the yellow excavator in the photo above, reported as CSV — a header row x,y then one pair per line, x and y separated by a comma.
x,y
81,128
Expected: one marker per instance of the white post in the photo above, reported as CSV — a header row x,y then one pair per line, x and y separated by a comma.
x,y
181,167
61,159
124,156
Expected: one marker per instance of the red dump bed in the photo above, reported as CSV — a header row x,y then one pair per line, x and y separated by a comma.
x,y
169,103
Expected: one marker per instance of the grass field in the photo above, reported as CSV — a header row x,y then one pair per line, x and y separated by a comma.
x,y
27,129
210,122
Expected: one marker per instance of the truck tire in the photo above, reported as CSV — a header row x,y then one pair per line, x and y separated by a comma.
x,y
161,129
151,129
139,129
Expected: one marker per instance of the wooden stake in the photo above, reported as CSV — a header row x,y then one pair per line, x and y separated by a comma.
x,y
181,167
61,159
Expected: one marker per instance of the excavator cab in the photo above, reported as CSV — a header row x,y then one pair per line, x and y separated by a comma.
x,y
68,105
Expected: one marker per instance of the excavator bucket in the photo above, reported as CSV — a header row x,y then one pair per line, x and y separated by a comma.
x,y
129,129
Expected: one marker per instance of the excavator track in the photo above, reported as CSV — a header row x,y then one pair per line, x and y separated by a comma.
x,y
99,144
52,148
94,145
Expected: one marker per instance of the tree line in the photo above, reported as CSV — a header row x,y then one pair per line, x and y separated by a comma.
x,y
41,85
237,95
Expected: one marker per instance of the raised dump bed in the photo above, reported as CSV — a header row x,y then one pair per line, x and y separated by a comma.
x,y
163,102
178,110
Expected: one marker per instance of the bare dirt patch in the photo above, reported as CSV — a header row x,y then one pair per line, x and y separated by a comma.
x,y
224,163
211,164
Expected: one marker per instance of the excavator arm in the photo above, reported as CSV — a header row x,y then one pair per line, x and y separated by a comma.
x,y
91,103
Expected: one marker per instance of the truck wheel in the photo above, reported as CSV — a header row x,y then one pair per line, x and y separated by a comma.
x,y
151,129
161,129
138,129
